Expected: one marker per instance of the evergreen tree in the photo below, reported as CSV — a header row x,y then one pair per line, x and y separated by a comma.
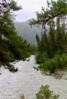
x,y
57,8
51,38
12,46
56,36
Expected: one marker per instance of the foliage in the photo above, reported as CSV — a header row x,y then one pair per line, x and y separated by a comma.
x,y
53,41
59,62
45,93
55,9
12,46
10,67
41,57
14,7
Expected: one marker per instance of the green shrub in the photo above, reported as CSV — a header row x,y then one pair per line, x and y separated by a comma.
x,y
59,62
41,57
8,56
45,93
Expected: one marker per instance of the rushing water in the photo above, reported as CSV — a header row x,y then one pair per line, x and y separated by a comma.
x,y
27,81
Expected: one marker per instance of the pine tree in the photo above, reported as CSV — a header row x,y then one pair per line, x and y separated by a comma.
x,y
12,46
56,36
51,38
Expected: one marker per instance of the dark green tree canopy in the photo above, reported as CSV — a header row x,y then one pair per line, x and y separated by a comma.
x,y
54,39
57,8
12,46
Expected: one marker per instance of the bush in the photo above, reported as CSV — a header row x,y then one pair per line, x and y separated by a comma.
x,y
8,56
41,57
45,93
59,62
19,47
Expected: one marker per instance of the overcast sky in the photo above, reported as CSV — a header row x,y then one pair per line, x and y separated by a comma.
x,y
29,9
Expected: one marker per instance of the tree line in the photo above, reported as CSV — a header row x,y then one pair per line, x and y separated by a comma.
x,y
52,45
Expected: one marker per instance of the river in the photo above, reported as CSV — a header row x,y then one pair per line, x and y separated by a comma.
x,y
27,81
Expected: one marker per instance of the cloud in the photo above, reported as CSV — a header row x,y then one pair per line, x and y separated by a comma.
x,y
29,9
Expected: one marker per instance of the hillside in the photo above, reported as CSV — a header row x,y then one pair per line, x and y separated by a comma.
x,y
28,32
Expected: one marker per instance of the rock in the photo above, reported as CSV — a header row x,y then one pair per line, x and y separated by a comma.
x,y
35,68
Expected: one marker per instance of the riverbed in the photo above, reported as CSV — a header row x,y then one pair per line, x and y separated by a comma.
x,y
27,81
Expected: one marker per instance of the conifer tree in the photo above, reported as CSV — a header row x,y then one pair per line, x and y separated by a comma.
x,y
12,46
56,36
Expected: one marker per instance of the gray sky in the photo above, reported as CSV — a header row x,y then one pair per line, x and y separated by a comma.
x,y
29,9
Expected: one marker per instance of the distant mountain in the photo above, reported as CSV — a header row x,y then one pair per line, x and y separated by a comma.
x,y
28,32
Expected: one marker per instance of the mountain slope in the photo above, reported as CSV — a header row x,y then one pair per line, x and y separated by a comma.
x,y
28,32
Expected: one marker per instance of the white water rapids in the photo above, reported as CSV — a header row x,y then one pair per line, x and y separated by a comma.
x,y
27,81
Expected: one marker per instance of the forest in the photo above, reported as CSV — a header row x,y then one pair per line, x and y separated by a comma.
x,y
52,45
50,52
